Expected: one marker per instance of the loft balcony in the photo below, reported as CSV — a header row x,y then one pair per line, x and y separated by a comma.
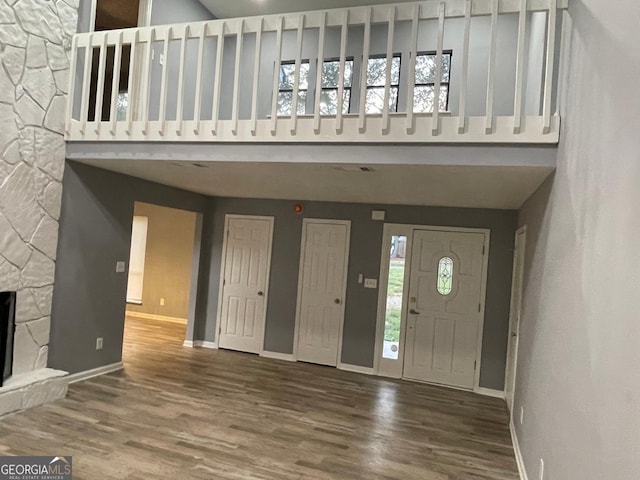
x,y
454,72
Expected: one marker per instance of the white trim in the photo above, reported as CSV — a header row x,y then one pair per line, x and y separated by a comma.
x,y
288,357
144,13
79,377
92,18
345,277
160,318
223,264
200,344
489,392
515,317
518,453
356,369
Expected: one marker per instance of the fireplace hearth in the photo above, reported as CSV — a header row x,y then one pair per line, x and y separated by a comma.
x,y
7,333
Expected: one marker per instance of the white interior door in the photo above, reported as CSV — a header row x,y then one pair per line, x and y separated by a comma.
x,y
445,307
245,281
323,279
514,319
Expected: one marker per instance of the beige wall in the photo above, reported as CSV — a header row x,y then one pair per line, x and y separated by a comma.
x,y
168,262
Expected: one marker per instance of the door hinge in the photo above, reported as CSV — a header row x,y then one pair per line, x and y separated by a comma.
x,y
224,282
479,307
484,249
475,364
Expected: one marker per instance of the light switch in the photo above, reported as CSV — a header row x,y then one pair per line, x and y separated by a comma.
x,y
360,278
121,267
370,283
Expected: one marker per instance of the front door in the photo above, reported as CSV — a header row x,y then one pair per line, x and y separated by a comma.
x,y
445,305
323,280
245,276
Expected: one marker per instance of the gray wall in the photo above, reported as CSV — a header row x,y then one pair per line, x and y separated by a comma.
x,y
366,244
165,12
577,376
95,232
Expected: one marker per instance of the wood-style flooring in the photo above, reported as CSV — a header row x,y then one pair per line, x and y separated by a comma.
x,y
180,413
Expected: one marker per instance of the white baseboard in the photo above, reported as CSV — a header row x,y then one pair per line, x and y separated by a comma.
x,y
78,377
489,392
161,318
188,343
203,344
278,356
518,452
356,368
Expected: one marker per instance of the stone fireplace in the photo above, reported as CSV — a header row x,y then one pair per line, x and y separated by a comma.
x,y
35,37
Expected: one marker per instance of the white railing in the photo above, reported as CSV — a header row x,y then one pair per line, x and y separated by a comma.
x,y
183,83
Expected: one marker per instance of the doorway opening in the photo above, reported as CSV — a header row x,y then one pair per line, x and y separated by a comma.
x,y
162,276
431,304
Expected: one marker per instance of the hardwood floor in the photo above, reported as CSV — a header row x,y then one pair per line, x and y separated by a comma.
x,y
186,413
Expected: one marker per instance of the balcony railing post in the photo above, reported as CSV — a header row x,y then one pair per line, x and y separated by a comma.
x,y
72,84
217,83
362,125
276,77
319,71
549,64
115,83
256,79
296,79
387,83
343,61
236,78
520,62
180,93
132,89
197,107
86,87
411,77
97,118
147,82
162,115
435,118
464,81
493,44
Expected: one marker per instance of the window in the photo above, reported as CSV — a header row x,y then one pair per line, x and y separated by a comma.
x,y
376,79
136,259
122,106
395,292
445,276
425,83
285,89
330,83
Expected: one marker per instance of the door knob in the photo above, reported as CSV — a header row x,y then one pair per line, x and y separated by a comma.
x,y
413,312
260,294
337,301
513,334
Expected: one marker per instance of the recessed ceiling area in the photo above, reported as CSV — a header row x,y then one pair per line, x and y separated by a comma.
x,y
433,185
246,8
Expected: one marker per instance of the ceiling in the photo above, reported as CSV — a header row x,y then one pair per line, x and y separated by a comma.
x,y
435,185
247,8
